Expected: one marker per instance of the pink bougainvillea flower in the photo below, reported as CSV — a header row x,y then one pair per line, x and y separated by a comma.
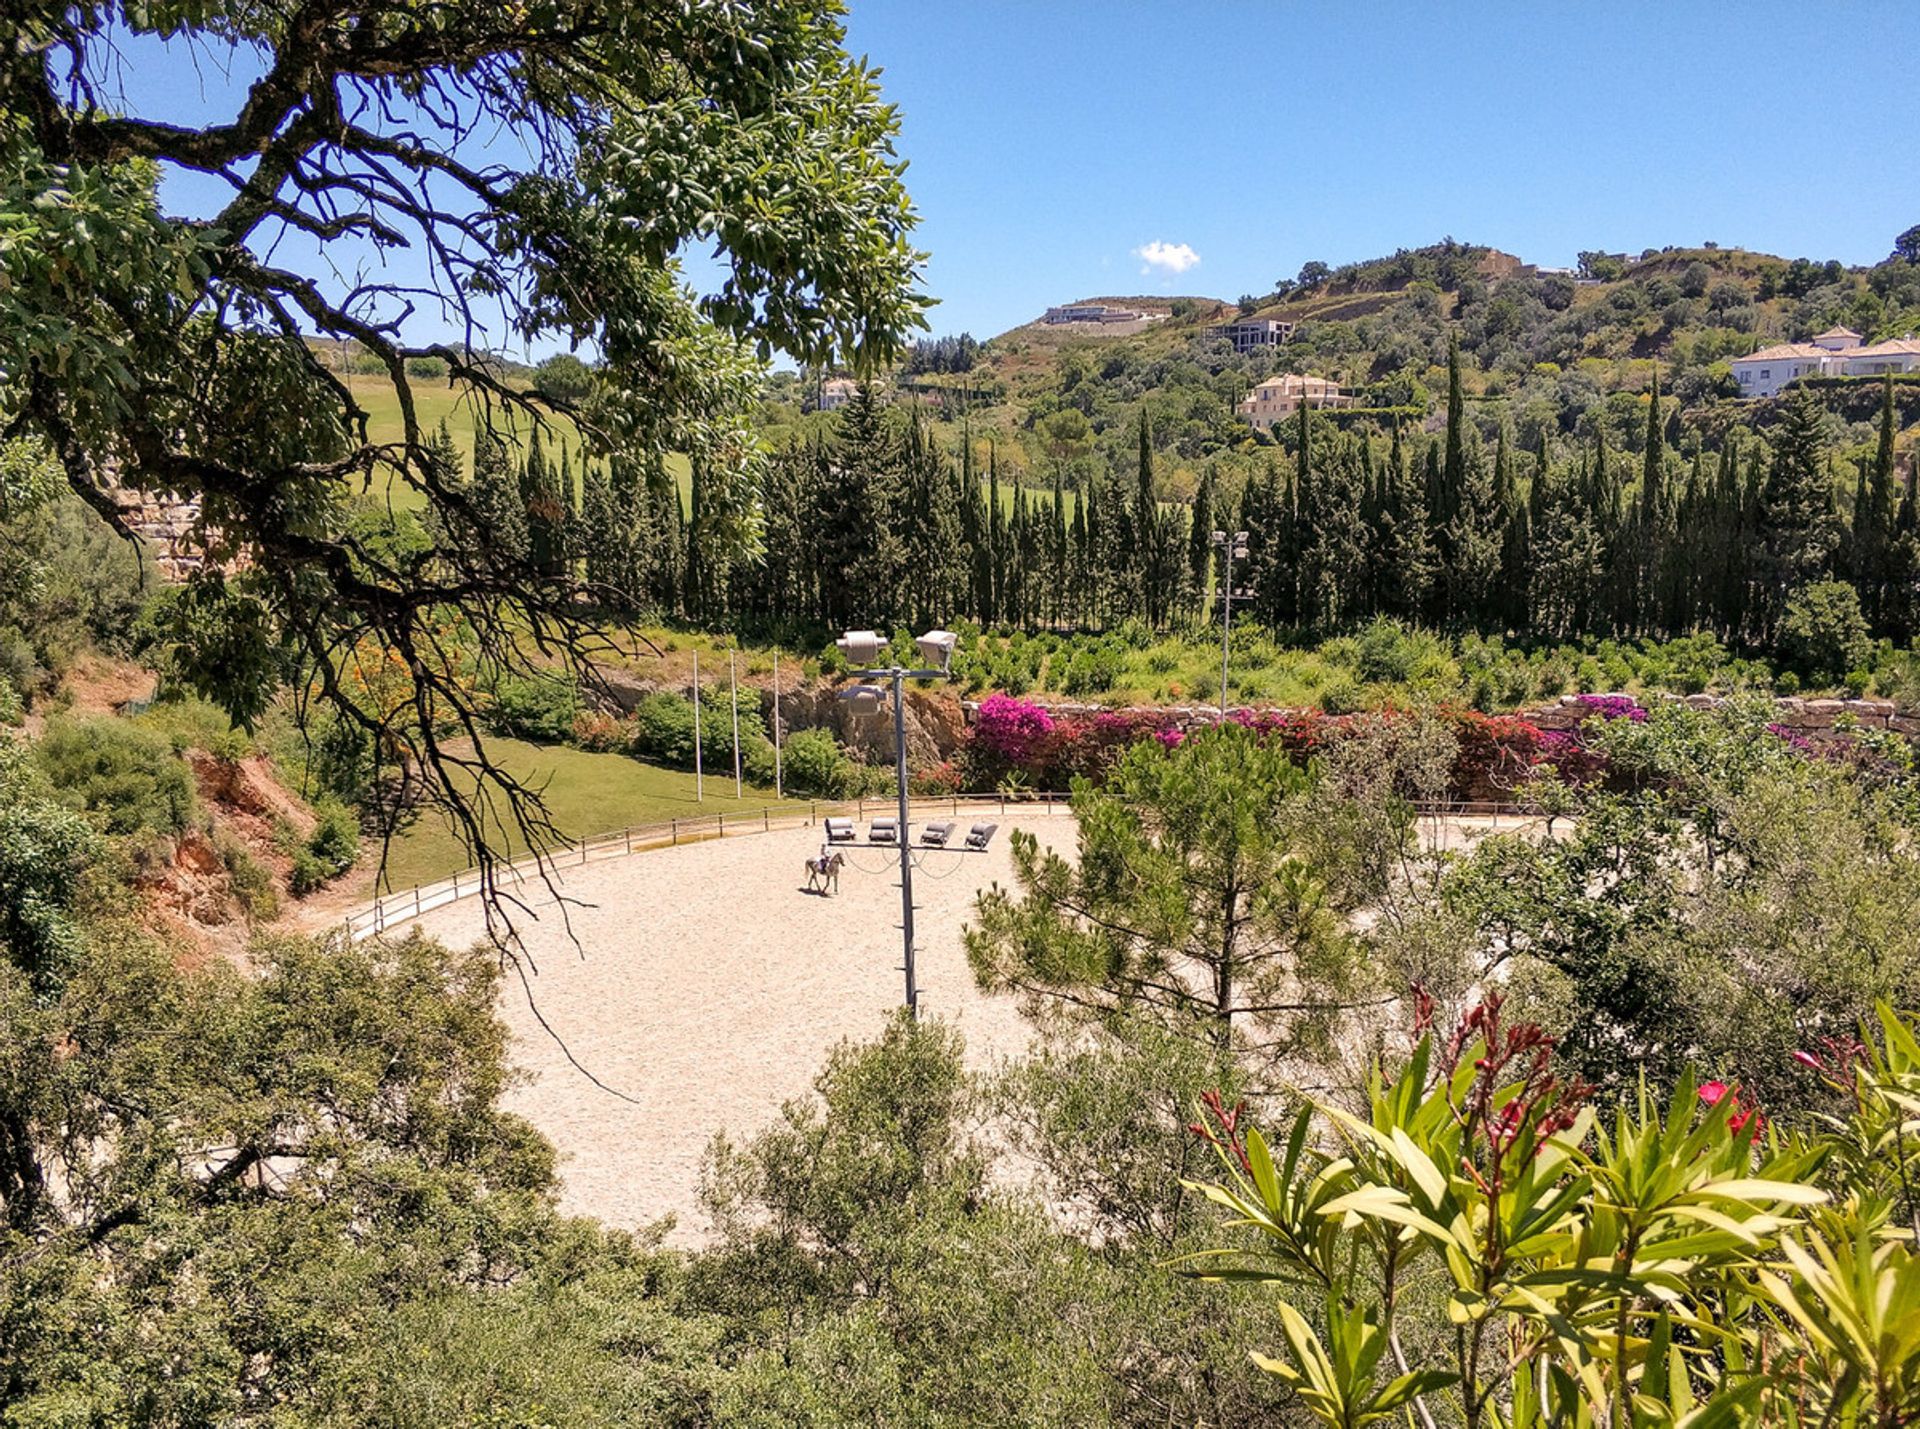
x,y
1712,1092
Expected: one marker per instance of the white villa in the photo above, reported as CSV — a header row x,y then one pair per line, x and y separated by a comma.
x,y
1249,333
1281,396
836,392
1837,352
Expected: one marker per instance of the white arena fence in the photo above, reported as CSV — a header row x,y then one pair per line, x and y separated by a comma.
x,y
394,909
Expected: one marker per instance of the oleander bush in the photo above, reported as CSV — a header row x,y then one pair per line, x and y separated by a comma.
x,y
1478,1242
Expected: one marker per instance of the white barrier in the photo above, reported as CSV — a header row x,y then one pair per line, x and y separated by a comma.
x,y
394,909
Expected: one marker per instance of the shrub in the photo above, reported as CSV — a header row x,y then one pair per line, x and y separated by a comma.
x,y
756,761
600,733
1016,731
124,779
813,764
1823,634
936,781
1092,671
663,729
542,709
1339,696
252,885
335,839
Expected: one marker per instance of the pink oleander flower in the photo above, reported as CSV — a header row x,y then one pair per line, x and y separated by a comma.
x,y
1712,1092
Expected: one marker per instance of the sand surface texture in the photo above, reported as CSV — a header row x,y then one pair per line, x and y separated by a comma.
x,y
708,987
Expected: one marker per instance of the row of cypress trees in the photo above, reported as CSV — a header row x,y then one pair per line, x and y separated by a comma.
x,y
879,525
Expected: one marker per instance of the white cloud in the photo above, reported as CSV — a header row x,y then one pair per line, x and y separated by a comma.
x,y
1166,258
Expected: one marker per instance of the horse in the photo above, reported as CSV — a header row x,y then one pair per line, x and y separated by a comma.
x,y
823,873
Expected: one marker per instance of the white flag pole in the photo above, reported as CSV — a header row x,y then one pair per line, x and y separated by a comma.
x,y
733,683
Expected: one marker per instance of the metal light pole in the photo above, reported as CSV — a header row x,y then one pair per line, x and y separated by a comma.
x,y
863,647
1229,548
699,775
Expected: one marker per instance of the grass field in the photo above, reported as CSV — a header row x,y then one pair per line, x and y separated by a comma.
x,y
435,402
585,793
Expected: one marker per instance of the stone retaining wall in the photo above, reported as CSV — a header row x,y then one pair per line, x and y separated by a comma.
x,y
1813,718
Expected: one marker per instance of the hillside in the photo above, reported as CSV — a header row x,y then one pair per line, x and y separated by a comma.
x,y
1555,353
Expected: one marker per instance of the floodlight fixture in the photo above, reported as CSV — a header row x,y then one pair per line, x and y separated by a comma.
x,y
861,648
865,699
936,648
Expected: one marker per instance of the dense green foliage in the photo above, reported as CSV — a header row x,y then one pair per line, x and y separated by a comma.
x,y
164,352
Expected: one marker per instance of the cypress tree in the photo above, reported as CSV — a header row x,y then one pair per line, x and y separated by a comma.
x,y
1796,517
496,499
546,518
1876,550
1200,542
1058,552
1413,562
1453,476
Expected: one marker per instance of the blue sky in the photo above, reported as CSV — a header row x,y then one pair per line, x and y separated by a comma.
x,y
1049,141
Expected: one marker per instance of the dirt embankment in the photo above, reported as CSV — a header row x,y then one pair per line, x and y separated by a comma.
x,y
212,887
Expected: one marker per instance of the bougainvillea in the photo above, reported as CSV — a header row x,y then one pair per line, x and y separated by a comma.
x,y
1014,730
1613,707
1498,753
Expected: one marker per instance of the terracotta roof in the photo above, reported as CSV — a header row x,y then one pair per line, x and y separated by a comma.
x,y
1892,347
1298,382
1838,332
1782,351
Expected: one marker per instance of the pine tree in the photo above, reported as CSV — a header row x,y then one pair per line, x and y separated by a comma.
x,y
545,513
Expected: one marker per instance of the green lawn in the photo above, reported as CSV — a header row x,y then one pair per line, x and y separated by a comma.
x,y
586,794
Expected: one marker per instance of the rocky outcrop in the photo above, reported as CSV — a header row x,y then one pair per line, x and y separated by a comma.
x,y
935,724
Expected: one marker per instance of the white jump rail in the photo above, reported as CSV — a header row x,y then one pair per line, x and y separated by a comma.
x,y
393,910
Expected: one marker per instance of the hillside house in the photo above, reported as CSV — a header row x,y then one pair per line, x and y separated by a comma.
x,y
1837,352
836,392
1094,313
1248,334
1280,397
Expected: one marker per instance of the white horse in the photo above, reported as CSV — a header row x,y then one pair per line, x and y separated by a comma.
x,y
823,873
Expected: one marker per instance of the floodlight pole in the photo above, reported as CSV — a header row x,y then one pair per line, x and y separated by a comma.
x,y
1230,546
897,676
865,644
906,843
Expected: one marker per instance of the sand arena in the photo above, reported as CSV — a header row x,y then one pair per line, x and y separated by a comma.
x,y
708,987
